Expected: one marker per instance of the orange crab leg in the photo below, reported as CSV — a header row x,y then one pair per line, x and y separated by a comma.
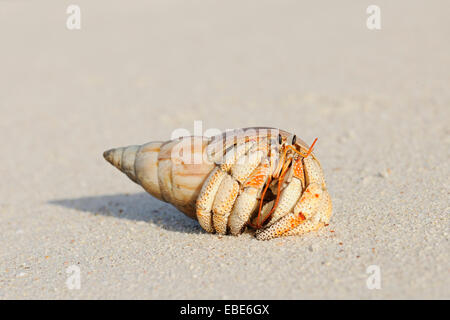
x,y
280,182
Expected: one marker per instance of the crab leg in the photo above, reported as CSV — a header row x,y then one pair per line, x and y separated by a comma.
x,y
223,203
323,213
217,196
315,223
307,205
227,195
291,194
309,212
247,201
205,200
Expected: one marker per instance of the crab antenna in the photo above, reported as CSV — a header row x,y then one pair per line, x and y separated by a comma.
x,y
290,147
261,202
311,148
280,182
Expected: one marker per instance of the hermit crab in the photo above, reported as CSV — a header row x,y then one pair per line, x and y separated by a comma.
x,y
264,179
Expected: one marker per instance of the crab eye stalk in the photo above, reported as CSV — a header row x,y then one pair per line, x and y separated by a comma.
x,y
294,138
280,140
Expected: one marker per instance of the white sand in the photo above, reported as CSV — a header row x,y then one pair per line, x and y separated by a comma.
x,y
378,101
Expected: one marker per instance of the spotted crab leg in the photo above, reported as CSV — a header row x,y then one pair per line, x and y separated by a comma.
x,y
312,210
210,188
247,201
206,198
221,189
307,205
240,172
316,223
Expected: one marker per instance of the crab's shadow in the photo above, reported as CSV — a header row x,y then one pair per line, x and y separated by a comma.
x,y
135,207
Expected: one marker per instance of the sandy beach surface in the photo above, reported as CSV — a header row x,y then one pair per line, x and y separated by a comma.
x,y
378,100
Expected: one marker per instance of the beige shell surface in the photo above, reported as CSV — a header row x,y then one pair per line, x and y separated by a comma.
x,y
162,172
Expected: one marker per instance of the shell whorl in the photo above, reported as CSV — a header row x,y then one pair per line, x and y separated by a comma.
x,y
123,159
162,172
139,163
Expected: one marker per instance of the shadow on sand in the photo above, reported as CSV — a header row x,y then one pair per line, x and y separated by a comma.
x,y
136,207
